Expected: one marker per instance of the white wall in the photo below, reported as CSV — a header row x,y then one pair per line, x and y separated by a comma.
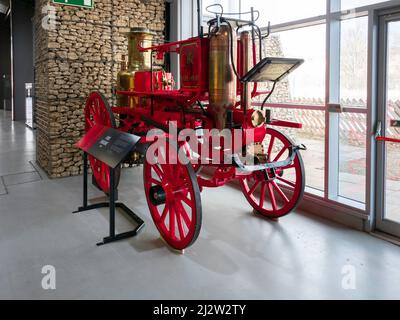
x,y
183,26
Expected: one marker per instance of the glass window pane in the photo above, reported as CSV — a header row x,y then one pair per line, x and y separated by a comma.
x,y
393,67
353,93
284,10
312,136
228,6
354,62
306,85
392,184
351,4
352,156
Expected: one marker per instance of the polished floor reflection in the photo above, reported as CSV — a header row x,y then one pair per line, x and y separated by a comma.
x,y
17,146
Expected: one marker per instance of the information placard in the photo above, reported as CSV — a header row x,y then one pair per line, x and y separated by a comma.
x,y
108,145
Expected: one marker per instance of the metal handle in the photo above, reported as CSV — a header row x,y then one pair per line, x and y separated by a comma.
x,y
335,107
378,131
388,139
379,137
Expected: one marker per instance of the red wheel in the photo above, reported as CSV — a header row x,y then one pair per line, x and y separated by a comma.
x,y
275,193
173,196
98,111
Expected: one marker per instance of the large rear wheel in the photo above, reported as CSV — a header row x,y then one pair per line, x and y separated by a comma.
x,y
98,111
274,193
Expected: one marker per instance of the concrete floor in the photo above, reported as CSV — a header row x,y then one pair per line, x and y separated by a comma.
x,y
237,256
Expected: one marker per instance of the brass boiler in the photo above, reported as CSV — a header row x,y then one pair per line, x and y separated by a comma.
x,y
137,61
222,80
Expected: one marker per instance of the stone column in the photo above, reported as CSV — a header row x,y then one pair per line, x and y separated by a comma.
x,y
81,54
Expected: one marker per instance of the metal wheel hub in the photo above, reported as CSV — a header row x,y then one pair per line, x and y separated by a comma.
x,y
157,195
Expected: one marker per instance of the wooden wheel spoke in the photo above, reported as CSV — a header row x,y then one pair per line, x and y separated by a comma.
x,y
184,214
94,113
291,166
172,221
90,122
262,194
187,201
180,225
279,155
254,187
292,184
97,103
164,214
272,197
165,171
165,167
280,192
271,144
158,171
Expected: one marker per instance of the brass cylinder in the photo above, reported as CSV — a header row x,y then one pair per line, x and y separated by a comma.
x,y
139,60
245,67
222,80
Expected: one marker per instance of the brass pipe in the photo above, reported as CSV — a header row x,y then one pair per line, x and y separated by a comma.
x,y
222,80
245,67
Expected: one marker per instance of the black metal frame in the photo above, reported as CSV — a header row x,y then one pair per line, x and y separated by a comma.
x,y
112,205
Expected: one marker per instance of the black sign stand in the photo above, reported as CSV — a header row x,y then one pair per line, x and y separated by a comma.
x,y
112,204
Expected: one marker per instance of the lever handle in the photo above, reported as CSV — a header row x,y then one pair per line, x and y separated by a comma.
x,y
378,130
379,137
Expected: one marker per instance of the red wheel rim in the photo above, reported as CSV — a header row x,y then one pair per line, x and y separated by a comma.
x,y
97,111
178,219
282,192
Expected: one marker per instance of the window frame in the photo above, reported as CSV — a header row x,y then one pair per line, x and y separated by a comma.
x,y
330,196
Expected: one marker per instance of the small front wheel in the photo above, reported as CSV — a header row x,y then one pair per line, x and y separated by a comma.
x,y
274,193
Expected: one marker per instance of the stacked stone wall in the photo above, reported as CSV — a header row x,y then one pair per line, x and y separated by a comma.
x,y
82,53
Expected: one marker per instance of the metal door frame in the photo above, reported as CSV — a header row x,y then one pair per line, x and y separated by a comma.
x,y
381,224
